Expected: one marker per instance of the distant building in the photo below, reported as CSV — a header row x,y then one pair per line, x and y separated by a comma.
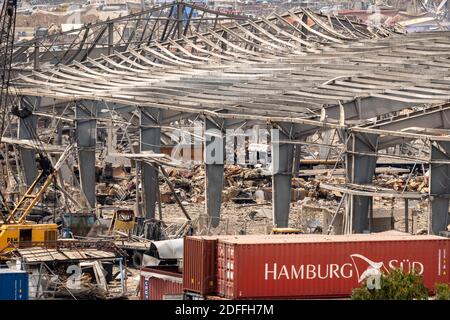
x,y
113,2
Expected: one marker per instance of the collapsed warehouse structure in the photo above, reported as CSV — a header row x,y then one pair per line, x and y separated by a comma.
x,y
160,23
276,72
185,87
208,54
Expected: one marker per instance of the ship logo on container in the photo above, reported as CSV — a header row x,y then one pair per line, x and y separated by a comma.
x,y
373,268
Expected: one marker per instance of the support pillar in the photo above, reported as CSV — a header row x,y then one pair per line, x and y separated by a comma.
x,y
214,168
110,38
324,151
27,130
86,137
150,140
439,187
406,216
360,170
282,164
297,158
305,21
36,64
59,133
180,9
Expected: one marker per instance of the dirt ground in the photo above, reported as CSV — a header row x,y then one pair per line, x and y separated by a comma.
x,y
257,218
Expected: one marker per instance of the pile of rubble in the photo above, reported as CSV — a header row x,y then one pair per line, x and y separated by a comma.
x,y
247,195
241,185
403,182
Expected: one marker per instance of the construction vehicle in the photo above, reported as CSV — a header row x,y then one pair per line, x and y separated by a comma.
x,y
14,228
123,220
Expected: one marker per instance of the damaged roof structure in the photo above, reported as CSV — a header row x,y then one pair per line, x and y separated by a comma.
x,y
159,23
297,72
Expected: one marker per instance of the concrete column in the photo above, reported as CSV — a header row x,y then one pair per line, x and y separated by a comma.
x,y
27,130
110,38
150,140
59,130
406,216
214,155
282,164
324,151
86,137
360,170
304,30
180,9
297,157
439,186
36,52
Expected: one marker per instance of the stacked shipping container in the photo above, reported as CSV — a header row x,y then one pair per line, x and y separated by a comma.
x,y
161,283
307,266
199,265
13,285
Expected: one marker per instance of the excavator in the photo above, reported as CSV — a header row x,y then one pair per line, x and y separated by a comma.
x,y
14,228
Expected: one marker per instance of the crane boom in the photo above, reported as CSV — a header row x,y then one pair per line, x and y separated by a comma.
x,y
7,29
19,232
35,193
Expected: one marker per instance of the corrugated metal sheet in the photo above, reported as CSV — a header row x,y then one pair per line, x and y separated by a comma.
x,y
39,254
315,238
13,285
329,266
158,284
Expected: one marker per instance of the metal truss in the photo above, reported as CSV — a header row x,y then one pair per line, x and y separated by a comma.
x,y
280,55
160,23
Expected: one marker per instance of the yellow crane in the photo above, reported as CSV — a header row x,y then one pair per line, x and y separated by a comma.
x,y
15,228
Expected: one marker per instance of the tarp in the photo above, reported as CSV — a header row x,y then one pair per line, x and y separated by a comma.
x,y
169,249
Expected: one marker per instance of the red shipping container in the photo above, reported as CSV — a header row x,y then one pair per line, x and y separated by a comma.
x,y
314,266
161,283
200,264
